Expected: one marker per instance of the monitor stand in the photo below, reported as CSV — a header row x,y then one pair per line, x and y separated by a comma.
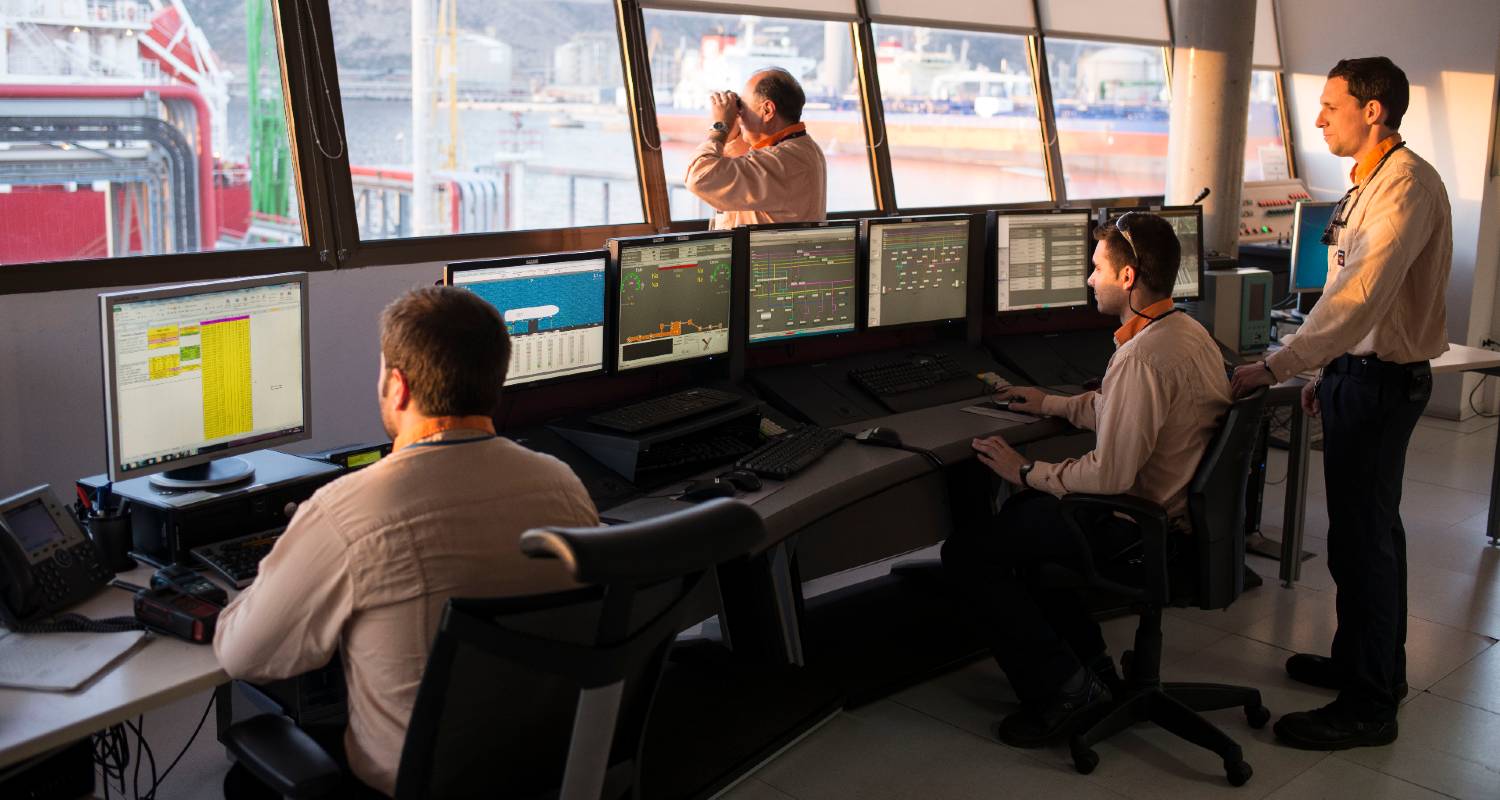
x,y
221,472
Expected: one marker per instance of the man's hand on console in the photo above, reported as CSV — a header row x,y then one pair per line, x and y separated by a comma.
x,y
1249,377
1002,459
1025,399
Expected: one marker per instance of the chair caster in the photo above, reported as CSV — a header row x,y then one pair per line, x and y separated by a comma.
x,y
1257,716
1084,758
1237,772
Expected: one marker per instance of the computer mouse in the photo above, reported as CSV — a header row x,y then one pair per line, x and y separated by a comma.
x,y
706,489
879,437
743,479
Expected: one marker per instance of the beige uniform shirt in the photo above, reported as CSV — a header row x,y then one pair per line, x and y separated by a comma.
x,y
368,563
1163,396
1387,276
786,182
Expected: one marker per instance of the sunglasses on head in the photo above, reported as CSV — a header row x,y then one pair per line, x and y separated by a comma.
x,y
1122,224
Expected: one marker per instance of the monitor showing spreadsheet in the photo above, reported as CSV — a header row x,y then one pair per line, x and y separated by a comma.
x,y
204,371
1041,259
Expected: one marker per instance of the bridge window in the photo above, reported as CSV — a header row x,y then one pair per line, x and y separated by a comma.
x,y
126,134
1112,106
512,115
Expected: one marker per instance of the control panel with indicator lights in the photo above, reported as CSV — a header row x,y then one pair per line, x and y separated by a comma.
x,y
1267,208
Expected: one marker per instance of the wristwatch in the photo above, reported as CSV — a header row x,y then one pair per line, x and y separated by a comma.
x,y
1026,474
718,127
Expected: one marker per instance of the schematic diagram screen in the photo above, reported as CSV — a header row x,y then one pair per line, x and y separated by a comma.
x,y
554,313
203,372
801,282
674,301
1042,260
919,271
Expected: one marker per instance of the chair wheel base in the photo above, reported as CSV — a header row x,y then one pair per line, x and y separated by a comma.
x,y
1257,716
1084,758
1238,772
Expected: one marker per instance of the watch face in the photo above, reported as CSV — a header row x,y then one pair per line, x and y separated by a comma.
x,y
720,127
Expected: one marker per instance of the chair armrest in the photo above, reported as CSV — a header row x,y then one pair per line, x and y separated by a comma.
x,y
1150,517
283,756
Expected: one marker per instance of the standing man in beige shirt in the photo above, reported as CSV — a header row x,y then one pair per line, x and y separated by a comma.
x,y
368,563
759,165
1163,395
1380,320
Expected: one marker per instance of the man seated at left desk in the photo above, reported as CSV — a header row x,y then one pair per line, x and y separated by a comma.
x,y
368,563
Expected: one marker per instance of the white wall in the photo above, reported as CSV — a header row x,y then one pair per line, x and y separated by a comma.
x,y
51,381
1449,50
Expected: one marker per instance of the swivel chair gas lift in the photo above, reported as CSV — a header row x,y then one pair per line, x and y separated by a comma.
x,y
1216,507
540,696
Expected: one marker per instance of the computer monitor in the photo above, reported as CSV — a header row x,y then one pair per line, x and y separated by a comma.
x,y
1041,259
918,269
553,306
204,371
674,297
802,279
1187,221
1309,254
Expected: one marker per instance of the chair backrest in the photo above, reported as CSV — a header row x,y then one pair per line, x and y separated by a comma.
x,y
1216,503
549,695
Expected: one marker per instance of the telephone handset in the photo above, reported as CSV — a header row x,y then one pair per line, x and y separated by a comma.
x,y
46,562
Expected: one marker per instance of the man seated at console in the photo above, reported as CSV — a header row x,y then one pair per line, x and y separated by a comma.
x,y
368,562
1163,395
759,165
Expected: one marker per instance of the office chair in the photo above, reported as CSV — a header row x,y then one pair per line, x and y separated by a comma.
x,y
539,696
1216,507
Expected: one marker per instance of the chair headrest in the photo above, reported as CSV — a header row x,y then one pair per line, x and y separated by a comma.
x,y
652,550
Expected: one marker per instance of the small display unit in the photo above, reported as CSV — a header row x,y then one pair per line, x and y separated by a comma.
x,y
204,371
673,297
1041,259
917,269
1187,221
803,280
553,306
1309,254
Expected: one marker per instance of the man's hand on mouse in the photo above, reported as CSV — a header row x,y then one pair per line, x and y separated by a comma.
x,y
1002,459
1026,399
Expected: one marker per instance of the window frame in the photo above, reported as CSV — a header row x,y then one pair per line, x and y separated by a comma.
x,y
325,187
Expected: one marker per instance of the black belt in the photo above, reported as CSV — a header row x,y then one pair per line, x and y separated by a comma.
x,y
1372,367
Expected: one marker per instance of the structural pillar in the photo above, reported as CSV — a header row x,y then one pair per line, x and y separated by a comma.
x,y
1214,40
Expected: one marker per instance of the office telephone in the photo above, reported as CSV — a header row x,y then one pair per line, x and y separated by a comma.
x,y
46,562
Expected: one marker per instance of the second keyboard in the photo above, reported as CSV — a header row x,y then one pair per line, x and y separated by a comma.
x,y
791,452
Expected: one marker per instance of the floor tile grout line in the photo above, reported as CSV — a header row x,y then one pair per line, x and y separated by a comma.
x,y
1398,778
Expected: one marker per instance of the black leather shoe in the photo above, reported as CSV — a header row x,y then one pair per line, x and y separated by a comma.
x,y
1331,728
1029,728
1318,671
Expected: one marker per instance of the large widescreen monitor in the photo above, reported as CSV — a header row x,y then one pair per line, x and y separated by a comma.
x,y
1309,254
1187,221
674,296
1041,259
918,269
553,307
204,371
801,280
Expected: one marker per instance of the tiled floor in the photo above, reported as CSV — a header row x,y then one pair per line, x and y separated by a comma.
x,y
936,740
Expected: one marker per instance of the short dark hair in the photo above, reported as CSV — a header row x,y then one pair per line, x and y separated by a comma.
x,y
781,88
451,346
1376,78
1156,253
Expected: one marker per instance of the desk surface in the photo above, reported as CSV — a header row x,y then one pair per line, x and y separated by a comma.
x,y
156,673
1462,358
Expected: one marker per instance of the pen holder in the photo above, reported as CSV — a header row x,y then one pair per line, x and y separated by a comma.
x,y
111,535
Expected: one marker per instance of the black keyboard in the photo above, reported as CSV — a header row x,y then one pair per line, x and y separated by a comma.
x,y
238,560
696,451
790,453
664,410
908,374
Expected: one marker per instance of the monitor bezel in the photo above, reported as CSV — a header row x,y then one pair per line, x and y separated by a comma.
x,y
612,287
1108,211
107,344
744,247
1292,259
992,249
507,262
863,258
